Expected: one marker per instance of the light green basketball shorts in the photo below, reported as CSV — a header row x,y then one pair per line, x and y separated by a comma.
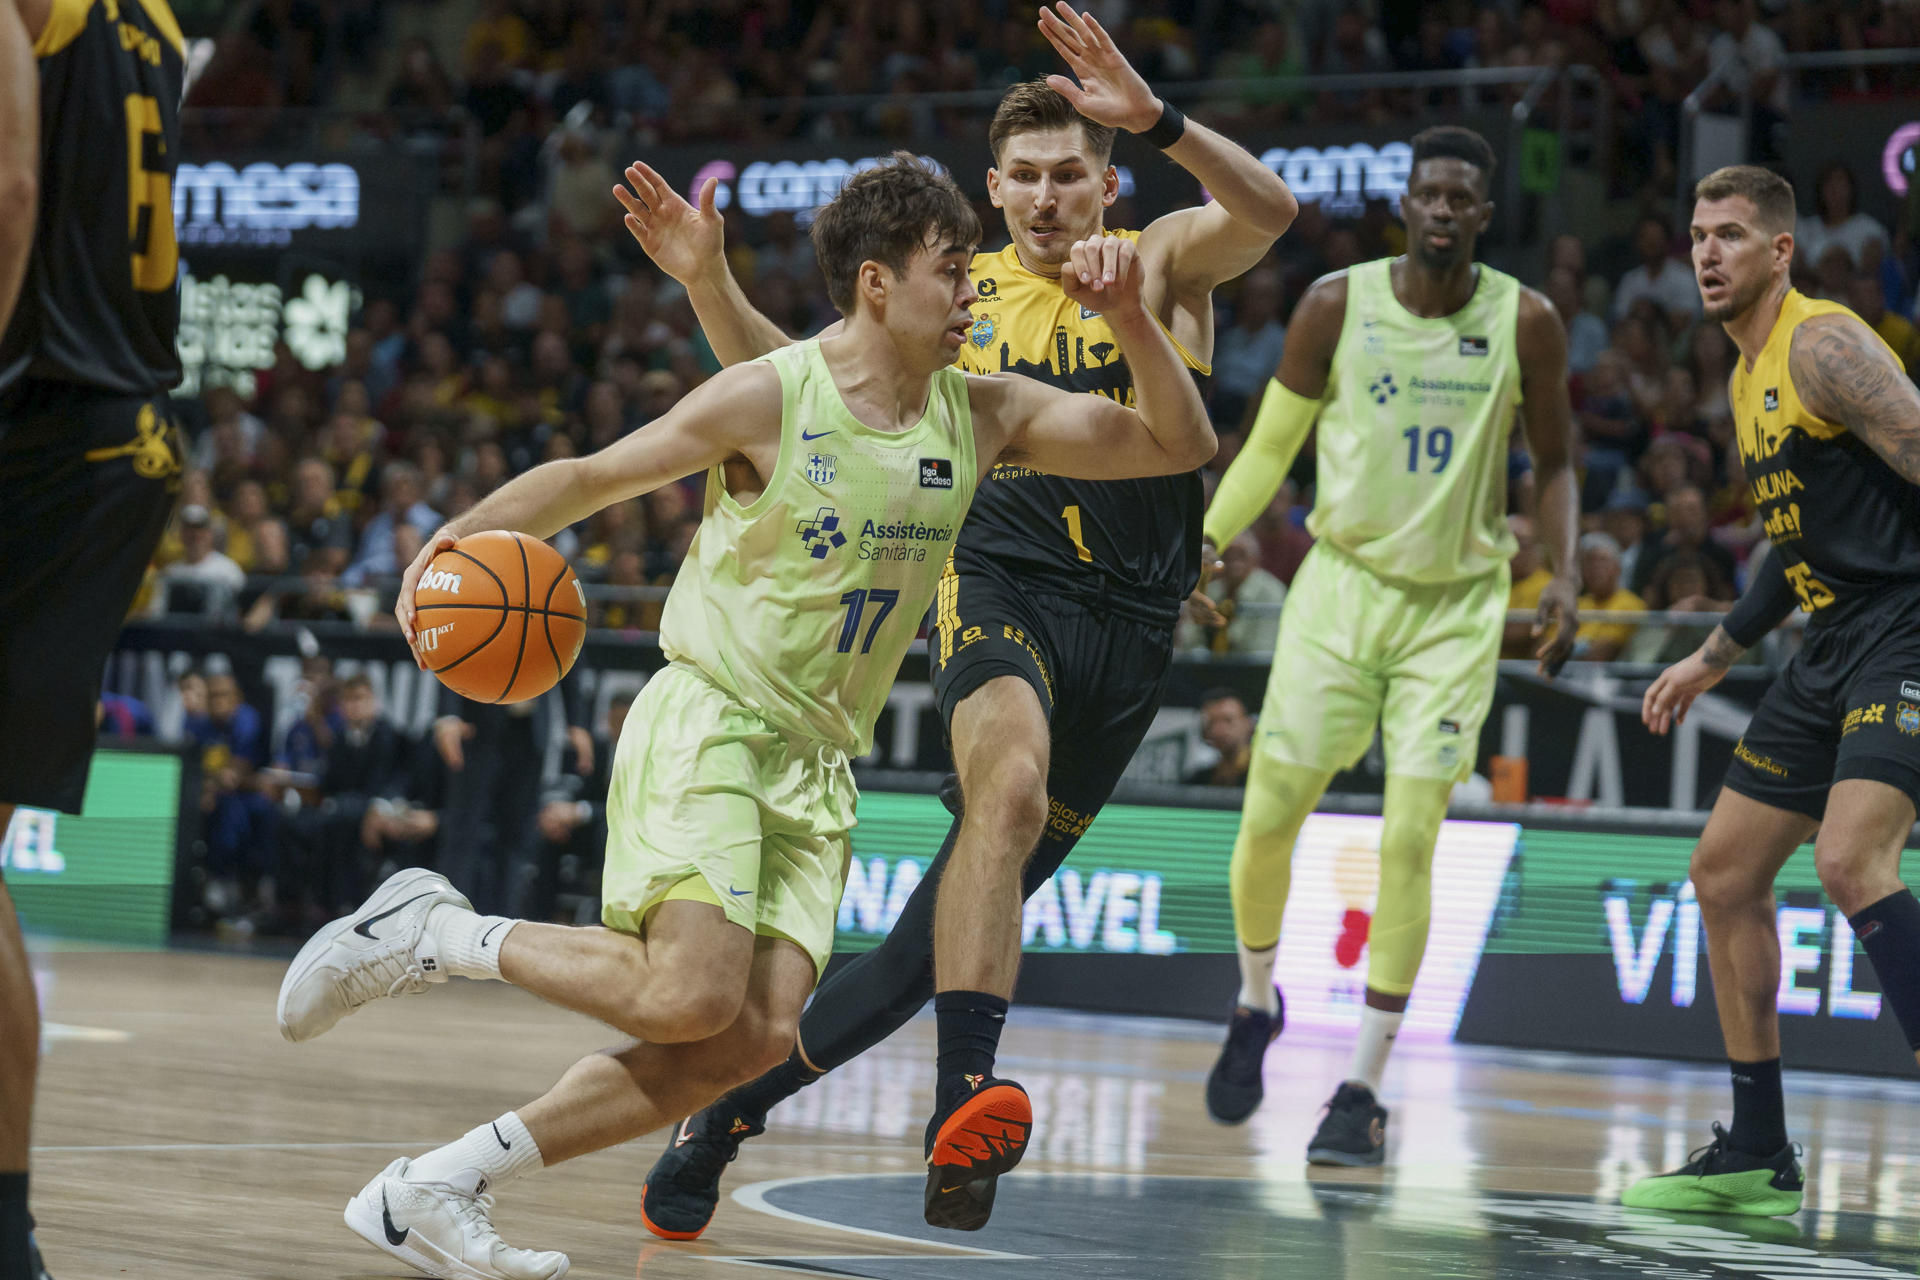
x,y
703,787
1356,650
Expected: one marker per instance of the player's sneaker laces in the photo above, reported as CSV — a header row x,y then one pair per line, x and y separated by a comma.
x,y
683,1187
377,951
1721,1178
442,1229
1354,1130
979,1136
1234,1086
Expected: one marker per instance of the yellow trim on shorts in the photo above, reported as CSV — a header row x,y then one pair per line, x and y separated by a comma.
x,y
946,620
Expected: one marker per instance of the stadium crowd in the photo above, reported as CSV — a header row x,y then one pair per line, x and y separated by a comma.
x,y
544,333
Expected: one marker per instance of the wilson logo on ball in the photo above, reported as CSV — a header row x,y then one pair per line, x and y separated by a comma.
x,y
441,580
429,638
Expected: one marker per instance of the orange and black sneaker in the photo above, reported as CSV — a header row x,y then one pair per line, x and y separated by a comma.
x,y
970,1143
1354,1130
683,1187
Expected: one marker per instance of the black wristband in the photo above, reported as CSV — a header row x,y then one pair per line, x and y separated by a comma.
x,y
1169,128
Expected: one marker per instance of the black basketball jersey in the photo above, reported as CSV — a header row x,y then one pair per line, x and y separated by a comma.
x,y
1847,526
1137,538
101,300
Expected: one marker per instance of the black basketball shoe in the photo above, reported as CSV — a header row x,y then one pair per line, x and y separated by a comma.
x,y
978,1136
1234,1087
1354,1131
36,1269
683,1187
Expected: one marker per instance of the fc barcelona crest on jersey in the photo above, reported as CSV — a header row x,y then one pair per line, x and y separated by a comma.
x,y
982,331
822,467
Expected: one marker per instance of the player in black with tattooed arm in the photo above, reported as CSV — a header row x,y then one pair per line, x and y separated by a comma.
x,y
1829,434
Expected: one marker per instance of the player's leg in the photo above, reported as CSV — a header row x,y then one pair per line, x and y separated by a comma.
x,y
1772,802
429,1211
75,538
19,1064
1323,699
683,822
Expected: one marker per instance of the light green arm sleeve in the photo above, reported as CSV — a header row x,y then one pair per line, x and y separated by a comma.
x,y
1279,430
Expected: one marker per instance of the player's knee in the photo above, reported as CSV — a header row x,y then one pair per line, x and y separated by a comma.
x,y
1851,876
1012,800
682,1012
1725,881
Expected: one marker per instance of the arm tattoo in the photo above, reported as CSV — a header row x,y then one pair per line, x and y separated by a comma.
x,y
1720,652
1845,375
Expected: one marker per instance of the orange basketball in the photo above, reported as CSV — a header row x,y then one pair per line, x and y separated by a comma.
x,y
499,617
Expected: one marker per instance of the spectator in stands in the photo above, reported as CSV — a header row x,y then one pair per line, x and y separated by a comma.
x,y
1660,277
241,827
1247,597
1869,302
1270,58
124,718
1747,54
1838,221
363,762
1624,519
1614,432
502,27
1530,576
203,581
1282,533
1600,575
400,502
422,84
573,828
247,515
317,719
1687,538
1226,728
1355,47
1248,350
1586,332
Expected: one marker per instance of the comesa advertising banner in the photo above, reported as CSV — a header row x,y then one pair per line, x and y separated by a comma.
x,y
107,874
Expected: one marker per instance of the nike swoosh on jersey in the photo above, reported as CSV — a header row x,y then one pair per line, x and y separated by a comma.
x,y
815,435
365,927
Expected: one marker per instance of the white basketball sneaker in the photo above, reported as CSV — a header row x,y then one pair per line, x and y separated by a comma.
x,y
380,950
443,1230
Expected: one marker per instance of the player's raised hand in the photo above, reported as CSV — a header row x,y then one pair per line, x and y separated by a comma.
x,y
1110,91
410,581
1556,623
1102,273
682,241
1669,697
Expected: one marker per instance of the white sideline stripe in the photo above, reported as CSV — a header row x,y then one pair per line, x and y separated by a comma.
x,y
754,1196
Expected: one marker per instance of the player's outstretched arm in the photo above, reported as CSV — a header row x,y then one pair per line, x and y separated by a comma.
x,y
689,244
19,151
1846,374
1089,437
1193,249
735,414
1548,414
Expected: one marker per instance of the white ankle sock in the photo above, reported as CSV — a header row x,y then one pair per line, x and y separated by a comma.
x,y
467,945
1256,977
491,1154
1377,1030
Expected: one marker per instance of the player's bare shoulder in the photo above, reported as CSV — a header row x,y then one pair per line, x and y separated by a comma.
x,y
999,403
1539,333
1313,335
33,15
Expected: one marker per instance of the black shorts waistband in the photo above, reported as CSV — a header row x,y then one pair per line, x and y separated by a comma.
x,y
1094,592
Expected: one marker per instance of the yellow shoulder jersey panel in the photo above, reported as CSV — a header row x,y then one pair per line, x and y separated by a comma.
x,y
65,21
1846,524
1025,323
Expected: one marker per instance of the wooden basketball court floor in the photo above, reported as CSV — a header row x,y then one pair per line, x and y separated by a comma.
x,y
179,1138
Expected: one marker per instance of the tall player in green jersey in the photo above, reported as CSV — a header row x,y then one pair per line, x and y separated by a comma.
x,y
837,473
1414,369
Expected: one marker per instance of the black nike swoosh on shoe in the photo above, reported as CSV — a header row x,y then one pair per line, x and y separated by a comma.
x,y
489,933
395,1237
504,1144
365,927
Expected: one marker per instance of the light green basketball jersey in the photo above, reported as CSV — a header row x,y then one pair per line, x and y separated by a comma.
x,y
1411,476
802,603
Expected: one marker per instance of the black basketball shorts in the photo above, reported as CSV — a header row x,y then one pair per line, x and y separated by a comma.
x,y
1846,706
87,481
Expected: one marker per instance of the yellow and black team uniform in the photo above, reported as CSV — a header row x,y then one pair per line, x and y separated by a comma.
x,y
1845,529
1071,585
89,448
